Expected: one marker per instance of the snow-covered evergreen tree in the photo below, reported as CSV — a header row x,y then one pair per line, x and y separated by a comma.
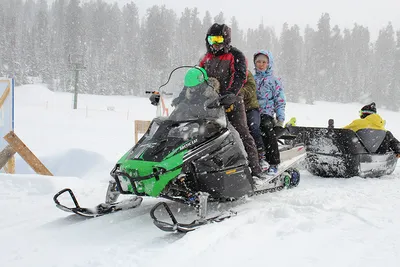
x,y
384,64
126,55
288,62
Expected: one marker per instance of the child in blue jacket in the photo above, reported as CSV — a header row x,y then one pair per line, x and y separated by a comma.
x,y
272,101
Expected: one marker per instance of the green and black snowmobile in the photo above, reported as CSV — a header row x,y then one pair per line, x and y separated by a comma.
x,y
194,156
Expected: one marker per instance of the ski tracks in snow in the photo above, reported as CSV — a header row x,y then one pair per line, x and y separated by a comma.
x,y
306,223
322,222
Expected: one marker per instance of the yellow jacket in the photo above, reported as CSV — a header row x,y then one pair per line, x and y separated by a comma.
x,y
373,121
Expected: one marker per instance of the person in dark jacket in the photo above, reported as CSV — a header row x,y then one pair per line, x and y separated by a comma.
x,y
369,119
228,65
253,116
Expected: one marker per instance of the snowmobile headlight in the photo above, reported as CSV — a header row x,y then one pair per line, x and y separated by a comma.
x,y
124,182
139,185
134,173
122,178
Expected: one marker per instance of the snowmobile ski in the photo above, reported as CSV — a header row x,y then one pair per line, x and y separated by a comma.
x,y
99,210
175,226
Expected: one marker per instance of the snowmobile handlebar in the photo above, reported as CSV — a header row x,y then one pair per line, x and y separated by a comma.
x,y
157,93
224,100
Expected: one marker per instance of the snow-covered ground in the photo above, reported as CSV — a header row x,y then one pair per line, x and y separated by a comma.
x,y
323,222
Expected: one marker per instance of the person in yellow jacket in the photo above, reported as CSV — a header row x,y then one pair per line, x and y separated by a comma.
x,y
369,119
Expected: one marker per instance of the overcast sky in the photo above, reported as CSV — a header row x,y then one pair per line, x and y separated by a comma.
x,y
374,14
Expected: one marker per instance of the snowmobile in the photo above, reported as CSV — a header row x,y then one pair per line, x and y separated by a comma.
x,y
343,153
194,157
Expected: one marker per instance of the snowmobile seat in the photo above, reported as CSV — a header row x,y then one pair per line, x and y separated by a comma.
x,y
328,140
371,139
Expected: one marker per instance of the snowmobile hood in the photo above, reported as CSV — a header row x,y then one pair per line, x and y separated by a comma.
x,y
373,121
149,177
269,71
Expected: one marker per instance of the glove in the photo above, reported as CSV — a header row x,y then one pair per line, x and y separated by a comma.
x,y
279,124
227,100
291,122
230,108
175,102
398,156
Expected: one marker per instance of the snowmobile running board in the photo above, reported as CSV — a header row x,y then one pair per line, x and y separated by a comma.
x,y
185,227
99,210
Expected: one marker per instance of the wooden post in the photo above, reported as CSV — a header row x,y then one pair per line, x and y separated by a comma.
x,y
4,96
10,167
26,154
5,156
140,127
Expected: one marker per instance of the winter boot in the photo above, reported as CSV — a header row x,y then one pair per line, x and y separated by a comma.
x,y
259,178
273,169
263,163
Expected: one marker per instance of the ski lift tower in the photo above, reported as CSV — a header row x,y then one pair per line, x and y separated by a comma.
x,y
76,63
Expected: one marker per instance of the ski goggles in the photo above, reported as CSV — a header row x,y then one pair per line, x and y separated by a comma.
x,y
215,39
366,112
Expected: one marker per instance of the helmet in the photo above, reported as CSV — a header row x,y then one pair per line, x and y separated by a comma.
x,y
368,110
219,30
195,76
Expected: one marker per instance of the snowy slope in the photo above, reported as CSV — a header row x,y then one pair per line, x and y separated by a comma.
x,y
323,222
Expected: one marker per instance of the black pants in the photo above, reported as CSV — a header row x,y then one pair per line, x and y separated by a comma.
x,y
253,121
272,155
390,143
238,119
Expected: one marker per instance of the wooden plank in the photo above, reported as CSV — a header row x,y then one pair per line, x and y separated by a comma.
x,y
141,127
26,154
4,95
10,167
5,155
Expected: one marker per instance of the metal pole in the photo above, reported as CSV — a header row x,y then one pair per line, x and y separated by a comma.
x,y
76,89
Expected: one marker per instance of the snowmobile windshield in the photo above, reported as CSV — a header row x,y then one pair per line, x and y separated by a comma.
x,y
196,106
194,102
195,118
185,131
